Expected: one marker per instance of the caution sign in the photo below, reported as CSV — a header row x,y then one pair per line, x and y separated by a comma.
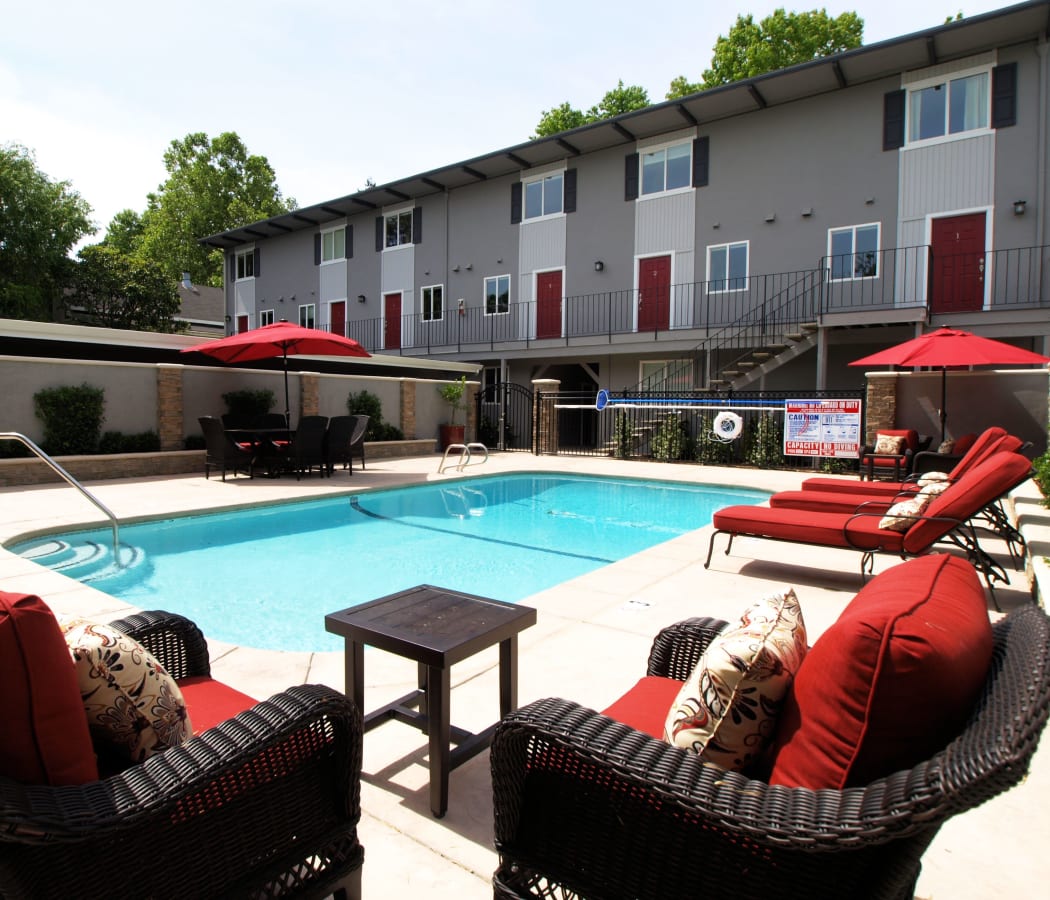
x,y
822,428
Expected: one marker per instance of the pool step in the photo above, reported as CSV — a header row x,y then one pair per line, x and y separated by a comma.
x,y
86,562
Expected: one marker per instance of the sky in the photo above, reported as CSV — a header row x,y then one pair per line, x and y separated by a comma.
x,y
335,94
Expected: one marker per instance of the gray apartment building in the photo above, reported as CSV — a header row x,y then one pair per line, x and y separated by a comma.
x,y
761,234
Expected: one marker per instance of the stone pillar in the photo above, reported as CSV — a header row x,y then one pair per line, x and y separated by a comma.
x,y
545,431
309,393
169,406
407,420
880,411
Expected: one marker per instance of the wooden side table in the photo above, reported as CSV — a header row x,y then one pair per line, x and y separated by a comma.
x,y
435,627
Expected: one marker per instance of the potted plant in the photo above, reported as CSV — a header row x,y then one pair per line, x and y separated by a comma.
x,y
453,394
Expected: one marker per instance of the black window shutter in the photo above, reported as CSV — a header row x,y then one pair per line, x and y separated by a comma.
x,y
630,176
1004,95
569,202
515,203
349,241
258,267
417,225
701,161
317,249
379,234
893,120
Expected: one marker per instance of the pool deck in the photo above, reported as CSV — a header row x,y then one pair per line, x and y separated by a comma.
x,y
590,643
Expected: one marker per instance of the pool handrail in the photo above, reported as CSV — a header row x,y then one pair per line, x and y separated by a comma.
x,y
71,481
464,455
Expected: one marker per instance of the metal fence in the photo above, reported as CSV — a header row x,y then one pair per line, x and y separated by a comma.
x,y
680,427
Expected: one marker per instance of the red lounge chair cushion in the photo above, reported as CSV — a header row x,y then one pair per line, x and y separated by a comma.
x,y
45,732
964,443
835,501
828,529
644,707
210,702
891,682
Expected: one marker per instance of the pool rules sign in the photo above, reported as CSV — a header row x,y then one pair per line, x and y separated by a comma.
x,y
822,428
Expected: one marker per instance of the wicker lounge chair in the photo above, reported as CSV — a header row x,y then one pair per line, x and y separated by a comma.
x,y
263,804
587,806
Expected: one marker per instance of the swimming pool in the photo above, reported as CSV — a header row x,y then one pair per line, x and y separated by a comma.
x,y
266,576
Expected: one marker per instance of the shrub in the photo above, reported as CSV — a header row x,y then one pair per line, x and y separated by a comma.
x,y
248,404
765,447
623,435
365,403
194,442
1041,464
709,449
671,440
118,442
72,418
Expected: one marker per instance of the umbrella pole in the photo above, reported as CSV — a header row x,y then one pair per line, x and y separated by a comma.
x,y
287,412
944,400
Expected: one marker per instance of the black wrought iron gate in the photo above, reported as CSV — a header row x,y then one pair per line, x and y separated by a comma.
x,y
505,416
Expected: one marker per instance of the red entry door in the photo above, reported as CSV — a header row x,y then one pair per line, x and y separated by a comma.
x,y
242,324
654,293
338,318
548,305
392,321
957,279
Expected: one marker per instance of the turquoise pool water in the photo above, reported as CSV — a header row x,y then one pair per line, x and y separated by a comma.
x,y
266,576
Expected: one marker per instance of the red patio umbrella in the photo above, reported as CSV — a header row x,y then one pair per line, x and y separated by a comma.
x,y
280,339
947,348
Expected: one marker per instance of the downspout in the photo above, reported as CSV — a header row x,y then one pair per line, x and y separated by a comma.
x,y
1041,149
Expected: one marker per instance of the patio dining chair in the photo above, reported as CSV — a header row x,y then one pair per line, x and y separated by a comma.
x,y
344,439
223,452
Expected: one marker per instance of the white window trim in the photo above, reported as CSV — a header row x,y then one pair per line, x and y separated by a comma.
x,y
989,274
642,363
303,306
944,78
484,294
397,212
267,313
336,259
525,182
422,305
244,251
729,278
878,251
653,148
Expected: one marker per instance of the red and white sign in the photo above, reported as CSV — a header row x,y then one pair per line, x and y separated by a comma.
x,y
822,428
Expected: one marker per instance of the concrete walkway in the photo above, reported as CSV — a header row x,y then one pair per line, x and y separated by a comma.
x,y
590,644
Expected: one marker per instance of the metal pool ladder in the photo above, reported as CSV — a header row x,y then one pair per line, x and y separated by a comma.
x,y
463,460
70,480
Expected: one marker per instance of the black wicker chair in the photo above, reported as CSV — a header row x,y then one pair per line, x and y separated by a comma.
x,y
588,807
222,452
264,805
344,440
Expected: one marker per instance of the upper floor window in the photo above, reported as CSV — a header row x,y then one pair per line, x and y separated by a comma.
x,y
245,264
399,228
949,107
265,317
308,315
333,245
853,252
497,295
433,303
667,169
544,196
727,267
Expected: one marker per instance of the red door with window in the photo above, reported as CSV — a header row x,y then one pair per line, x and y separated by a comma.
x,y
392,321
654,293
548,305
338,318
242,324
957,276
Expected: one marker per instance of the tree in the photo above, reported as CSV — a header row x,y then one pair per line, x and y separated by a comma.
x,y
113,289
780,40
40,221
619,100
124,232
212,185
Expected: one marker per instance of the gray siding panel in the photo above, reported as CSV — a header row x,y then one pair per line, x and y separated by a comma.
x,y
665,223
333,281
542,245
953,175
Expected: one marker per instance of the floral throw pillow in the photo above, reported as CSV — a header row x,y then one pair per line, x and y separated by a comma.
x,y
901,516
726,711
929,478
888,445
134,707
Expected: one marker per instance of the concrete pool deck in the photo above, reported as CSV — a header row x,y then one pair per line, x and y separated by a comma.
x,y
590,643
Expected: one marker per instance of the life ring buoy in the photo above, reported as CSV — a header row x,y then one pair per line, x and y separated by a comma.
x,y
727,426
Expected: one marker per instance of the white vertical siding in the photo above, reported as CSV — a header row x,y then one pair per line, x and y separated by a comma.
x,y
952,175
399,270
244,296
333,281
665,223
541,245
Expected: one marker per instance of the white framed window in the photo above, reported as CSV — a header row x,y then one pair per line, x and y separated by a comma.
x,y
853,252
666,374
265,317
667,168
398,229
949,106
727,267
245,264
308,315
544,196
497,295
433,297
333,245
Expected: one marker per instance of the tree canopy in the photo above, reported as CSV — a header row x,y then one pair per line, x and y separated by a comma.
x,y
619,100
40,221
114,289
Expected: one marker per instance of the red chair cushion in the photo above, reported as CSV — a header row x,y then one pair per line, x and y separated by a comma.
x,y
891,682
964,443
210,702
826,529
644,707
45,730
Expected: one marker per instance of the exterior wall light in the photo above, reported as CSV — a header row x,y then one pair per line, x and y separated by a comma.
x,y
1019,207
360,298
599,266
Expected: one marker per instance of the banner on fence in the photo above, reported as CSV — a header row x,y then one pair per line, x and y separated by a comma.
x,y
822,428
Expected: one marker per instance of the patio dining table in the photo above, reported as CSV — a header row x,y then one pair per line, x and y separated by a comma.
x,y
264,443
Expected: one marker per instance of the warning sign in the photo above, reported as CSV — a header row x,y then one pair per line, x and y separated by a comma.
x,y
822,428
